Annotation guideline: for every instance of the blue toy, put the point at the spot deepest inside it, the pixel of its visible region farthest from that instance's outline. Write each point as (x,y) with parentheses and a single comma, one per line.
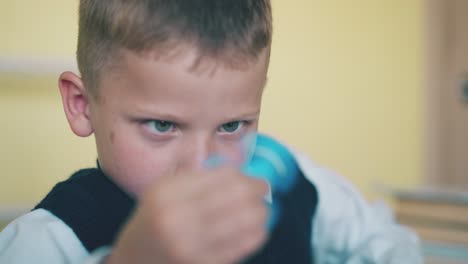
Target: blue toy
(267,159)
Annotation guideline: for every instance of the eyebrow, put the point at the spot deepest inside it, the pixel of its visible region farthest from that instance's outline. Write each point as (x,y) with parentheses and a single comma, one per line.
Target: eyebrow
(139,114)
(247,116)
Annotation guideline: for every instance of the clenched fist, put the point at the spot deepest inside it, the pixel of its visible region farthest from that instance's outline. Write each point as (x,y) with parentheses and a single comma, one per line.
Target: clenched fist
(206,217)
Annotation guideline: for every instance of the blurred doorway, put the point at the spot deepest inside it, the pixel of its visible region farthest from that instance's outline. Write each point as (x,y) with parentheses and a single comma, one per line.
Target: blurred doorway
(447,83)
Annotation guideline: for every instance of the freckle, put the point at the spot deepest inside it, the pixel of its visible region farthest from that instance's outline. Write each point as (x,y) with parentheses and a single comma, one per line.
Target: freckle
(111,137)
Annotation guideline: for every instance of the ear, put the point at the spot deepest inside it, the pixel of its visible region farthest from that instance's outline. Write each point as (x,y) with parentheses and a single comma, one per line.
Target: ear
(76,103)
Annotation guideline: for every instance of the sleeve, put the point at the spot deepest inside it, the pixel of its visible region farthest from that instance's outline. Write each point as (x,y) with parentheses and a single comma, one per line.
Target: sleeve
(40,237)
(347,229)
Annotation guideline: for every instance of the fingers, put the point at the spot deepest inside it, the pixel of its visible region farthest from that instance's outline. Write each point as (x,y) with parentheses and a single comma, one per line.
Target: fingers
(236,217)
(216,216)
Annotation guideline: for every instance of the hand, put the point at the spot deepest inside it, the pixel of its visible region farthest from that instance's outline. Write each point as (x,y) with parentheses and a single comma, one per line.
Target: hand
(208,217)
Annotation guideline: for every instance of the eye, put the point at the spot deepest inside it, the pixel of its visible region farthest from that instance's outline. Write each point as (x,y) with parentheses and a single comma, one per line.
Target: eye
(232,127)
(160,126)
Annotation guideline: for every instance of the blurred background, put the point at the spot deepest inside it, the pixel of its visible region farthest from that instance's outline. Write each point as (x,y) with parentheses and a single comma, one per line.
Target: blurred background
(375,90)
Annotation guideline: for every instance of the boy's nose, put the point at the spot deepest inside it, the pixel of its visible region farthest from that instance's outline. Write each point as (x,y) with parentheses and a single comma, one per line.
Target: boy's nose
(195,151)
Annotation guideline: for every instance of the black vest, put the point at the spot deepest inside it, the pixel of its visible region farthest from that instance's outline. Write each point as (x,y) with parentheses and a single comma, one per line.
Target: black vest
(95,209)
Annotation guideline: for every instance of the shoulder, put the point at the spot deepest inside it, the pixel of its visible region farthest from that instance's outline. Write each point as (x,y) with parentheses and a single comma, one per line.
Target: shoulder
(39,237)
(328,183)
(338,199)
(346,226)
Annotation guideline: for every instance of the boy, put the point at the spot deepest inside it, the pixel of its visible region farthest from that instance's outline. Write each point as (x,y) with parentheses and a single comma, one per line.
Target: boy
(164,85)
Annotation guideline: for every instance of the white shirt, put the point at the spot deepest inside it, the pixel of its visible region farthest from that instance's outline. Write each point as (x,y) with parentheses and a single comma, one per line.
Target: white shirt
(346,229)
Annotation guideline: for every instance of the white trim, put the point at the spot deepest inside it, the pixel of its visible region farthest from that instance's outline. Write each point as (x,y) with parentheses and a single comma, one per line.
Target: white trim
(36,65)
(9,213)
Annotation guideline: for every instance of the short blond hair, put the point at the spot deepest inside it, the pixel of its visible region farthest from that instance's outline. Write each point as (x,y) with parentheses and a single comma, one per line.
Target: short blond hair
(242,28)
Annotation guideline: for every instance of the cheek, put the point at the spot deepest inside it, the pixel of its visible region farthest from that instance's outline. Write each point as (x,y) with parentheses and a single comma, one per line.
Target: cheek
(236,152)
(134,165)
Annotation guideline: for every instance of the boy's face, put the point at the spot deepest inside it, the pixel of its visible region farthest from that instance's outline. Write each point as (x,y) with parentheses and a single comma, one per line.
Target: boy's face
(155,117)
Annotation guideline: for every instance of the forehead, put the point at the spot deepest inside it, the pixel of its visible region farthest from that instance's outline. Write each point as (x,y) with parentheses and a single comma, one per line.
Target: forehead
(188,63)
(184,79)
(193,60)
(202,61)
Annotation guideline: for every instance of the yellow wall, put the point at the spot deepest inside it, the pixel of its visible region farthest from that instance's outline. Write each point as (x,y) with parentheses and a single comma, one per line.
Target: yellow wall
(345,86)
